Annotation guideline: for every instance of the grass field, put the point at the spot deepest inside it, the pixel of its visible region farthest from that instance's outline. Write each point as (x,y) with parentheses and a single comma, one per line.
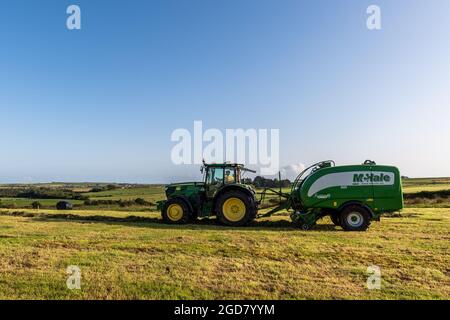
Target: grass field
(132,255)
(150,193)
(425,184)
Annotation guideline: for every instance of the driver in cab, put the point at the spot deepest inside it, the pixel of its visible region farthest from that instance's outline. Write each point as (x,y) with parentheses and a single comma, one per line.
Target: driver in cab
(229,178)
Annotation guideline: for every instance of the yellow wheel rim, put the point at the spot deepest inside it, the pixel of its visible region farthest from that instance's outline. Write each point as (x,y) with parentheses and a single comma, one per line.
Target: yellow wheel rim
(175,212)
(234,209)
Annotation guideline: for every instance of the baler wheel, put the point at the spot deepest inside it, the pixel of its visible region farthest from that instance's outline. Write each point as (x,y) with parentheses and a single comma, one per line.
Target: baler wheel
(355,218)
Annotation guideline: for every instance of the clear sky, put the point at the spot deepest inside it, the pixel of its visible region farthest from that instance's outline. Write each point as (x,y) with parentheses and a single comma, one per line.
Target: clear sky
(100,103)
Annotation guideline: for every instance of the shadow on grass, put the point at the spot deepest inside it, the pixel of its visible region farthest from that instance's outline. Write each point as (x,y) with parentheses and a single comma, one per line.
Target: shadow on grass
(149,222)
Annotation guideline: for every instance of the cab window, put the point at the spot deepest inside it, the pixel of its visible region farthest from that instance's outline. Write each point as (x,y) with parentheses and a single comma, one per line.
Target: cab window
(230,175)
(215,176)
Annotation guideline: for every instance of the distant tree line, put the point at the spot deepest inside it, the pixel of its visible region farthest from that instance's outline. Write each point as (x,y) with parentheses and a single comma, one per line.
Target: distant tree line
(41,193)
(108,187)
(428,194)
(261,182)
(51,193)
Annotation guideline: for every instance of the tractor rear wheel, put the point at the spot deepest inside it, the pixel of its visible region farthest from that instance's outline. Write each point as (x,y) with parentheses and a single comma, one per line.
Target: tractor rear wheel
(175,211)
(235,208)
(355,218)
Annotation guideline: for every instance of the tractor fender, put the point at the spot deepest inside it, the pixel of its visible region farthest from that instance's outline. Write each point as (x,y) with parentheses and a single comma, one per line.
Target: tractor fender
(354,202)
(234,188)
(186,201)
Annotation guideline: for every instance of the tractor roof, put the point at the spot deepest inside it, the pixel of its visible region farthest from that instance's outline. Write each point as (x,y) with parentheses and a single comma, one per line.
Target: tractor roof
(227,165)
(222,165)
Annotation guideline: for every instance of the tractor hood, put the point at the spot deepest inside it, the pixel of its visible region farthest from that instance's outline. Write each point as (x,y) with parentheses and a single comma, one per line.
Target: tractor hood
(185,184)
(183,187)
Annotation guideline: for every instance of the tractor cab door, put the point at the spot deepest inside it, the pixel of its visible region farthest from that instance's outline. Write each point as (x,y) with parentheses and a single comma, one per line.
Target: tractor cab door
(214,180)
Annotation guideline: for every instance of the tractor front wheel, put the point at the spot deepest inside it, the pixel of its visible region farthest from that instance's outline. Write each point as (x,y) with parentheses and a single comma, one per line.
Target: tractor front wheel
(235,208)
(175,211)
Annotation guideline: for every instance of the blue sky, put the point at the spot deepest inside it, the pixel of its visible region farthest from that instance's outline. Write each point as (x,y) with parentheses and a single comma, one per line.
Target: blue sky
(100,103)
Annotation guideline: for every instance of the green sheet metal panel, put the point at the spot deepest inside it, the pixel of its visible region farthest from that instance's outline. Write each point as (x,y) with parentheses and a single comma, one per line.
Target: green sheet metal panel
(378,187)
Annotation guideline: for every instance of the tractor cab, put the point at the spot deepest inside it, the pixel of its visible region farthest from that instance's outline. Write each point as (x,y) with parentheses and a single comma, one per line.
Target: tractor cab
(216,176)
(220,174)
(221,194)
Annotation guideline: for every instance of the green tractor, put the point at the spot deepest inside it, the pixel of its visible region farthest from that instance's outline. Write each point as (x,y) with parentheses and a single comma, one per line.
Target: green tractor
(352,195)
(221,193)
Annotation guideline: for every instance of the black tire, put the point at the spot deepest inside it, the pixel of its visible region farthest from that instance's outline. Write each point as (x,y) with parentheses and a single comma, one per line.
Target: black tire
(355,218)
(335,218)
(244,218)
(170,217)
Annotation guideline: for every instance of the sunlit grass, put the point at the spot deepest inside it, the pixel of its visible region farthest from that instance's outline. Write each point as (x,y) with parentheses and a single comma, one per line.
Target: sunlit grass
(130,254)
(139,257)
